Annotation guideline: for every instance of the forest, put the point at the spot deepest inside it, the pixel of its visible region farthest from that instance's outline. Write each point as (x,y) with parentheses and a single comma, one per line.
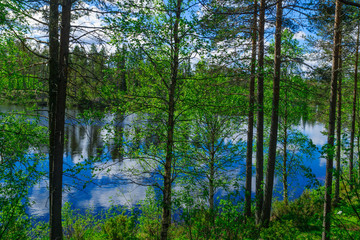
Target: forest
(179,119)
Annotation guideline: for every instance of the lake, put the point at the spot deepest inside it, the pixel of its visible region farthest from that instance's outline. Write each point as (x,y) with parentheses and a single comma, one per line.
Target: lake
(85,140)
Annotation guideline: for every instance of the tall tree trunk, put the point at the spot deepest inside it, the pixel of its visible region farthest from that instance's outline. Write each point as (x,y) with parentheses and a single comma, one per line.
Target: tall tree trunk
(166,216)
(285,184)
(331,131)
(338,133)
(212,148)
(353,117)
(55,205)
(57,103)
(265,216)
(212,151)
(285,171)
(211,180)
(358,135)
(251,117)
(358,148)
(260,116)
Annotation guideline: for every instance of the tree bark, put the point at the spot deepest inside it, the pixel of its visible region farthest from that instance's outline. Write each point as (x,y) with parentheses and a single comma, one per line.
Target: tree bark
(265,216)
(338,134)
(285,175)
(166,216)
(353,117)
(331,131)
(57,103)
(54,192)
(123,85)
(250,132)
(211,177)
(285,185)
(211,185)
(260,116)
(358,148)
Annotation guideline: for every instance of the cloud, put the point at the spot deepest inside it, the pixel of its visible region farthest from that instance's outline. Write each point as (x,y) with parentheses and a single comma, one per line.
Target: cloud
(322,162)
(314,132)
(300,35)
(40,198)
(126,195)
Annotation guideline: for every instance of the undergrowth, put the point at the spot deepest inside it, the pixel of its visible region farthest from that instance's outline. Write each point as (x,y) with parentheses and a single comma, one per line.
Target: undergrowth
(299,219)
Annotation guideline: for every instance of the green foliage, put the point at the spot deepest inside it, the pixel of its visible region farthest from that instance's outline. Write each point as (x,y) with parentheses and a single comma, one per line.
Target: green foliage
(119,227)
(302,212)
(300,150)
(280,230)
(39,230)
(78,226)
(214,155)
(136,82)
(20,156)
(14,222)
(17,83)
(232,222)
(300,219)
(346,214)
(226,221)
(150,217)
(110,225)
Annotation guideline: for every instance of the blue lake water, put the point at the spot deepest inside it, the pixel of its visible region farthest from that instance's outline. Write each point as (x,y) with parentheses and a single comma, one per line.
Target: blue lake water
(106,189)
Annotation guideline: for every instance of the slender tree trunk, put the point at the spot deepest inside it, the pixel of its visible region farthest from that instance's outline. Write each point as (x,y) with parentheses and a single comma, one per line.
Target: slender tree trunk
(338,133)
(212,148)
(123,86)
(331,131)
(251,117)
(211,185)
(166,216)
(265,216)
(358,136)
(260,116)
(285,183)
(358,148)
(353,117)
(54,192)
(75,85)
(24,77)
(358,161)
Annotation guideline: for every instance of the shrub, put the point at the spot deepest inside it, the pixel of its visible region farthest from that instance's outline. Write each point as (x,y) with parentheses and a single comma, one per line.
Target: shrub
(280,230)
(303,211)
(150,217)
(80,226)
(120,227)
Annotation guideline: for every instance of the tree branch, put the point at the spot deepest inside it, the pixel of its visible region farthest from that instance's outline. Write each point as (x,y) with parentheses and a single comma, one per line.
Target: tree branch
(350,3)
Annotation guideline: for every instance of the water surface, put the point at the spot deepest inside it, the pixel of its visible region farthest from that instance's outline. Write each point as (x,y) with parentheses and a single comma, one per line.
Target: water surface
(85,140)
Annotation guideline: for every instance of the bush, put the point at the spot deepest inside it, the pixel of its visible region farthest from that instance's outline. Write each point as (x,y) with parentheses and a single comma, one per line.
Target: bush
(303,212)
(150,217)
(120,227)
(80,226)
(19,171)
(280,230)
(225,222)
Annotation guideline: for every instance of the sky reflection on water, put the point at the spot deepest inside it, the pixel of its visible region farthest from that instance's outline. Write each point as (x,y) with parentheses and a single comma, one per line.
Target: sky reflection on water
(84,141)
